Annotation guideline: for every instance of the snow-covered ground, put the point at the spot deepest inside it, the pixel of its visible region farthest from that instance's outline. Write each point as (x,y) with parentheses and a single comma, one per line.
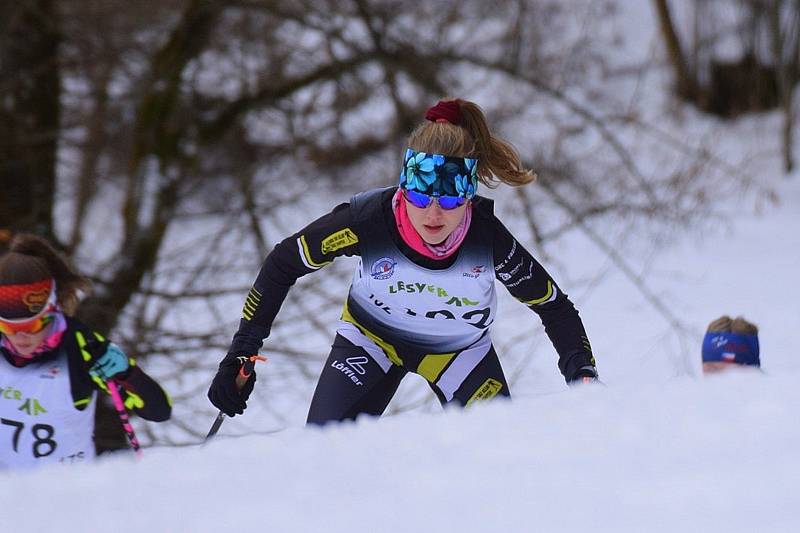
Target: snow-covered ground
(712,455)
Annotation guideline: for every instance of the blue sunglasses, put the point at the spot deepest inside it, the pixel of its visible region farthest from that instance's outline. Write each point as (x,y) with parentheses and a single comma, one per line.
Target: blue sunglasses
(423,200)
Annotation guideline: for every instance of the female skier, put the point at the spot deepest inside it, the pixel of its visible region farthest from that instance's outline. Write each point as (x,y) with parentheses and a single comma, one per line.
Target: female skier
(423,297)
(52,365)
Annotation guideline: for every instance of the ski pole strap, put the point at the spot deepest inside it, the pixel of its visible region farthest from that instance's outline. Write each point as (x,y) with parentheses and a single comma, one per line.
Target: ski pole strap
(246,370)
(119,406)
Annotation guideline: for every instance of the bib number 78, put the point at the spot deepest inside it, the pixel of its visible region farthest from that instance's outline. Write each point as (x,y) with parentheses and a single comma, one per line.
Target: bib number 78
(43,443)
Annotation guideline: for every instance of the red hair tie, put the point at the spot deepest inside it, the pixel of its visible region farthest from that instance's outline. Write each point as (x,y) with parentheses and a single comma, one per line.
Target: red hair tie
(448,111)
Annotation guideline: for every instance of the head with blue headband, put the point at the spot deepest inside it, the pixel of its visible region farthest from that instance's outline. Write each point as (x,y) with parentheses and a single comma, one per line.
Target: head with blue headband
(454,149)
(730,343)
(447,156)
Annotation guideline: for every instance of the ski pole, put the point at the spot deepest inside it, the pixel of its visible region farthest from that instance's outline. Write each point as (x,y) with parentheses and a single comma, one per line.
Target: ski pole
(245,372)
(119,405)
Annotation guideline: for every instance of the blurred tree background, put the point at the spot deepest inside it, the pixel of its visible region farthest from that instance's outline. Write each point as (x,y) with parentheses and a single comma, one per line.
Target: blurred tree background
(166,146)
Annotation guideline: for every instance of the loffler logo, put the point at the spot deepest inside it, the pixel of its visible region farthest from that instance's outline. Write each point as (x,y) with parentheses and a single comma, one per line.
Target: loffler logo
(357,363)
(354,365)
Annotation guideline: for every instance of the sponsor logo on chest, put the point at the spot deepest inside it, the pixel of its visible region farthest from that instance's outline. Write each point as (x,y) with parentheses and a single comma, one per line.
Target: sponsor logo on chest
(475,272)
(411,287)
(31,406)
(383,268)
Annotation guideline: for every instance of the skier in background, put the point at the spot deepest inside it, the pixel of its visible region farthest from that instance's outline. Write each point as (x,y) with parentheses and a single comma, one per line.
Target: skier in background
(52,365)
(422,298)
(730,344)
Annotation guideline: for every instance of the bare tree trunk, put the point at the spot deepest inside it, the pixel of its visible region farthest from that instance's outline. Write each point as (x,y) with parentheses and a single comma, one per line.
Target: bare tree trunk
(29,115)
(153,135)
(685,82)
(788,132)
(785,81)
(92,150)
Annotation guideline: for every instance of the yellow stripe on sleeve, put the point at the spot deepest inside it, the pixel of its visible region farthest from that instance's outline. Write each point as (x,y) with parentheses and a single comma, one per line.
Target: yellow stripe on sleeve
(548,295)
(305,254)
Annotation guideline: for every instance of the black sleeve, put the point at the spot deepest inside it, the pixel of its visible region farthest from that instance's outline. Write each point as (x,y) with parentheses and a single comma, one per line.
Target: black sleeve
(315,246)
(529,282)
(145,396)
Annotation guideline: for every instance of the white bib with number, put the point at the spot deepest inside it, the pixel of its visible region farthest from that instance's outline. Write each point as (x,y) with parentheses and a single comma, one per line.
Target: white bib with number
(38,422)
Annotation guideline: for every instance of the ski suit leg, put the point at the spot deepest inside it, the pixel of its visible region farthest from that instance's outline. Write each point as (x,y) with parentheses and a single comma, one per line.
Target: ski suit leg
(352,383)
(473,374)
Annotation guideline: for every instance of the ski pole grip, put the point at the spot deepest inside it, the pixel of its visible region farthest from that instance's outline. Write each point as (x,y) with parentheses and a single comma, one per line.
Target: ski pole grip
(246,370)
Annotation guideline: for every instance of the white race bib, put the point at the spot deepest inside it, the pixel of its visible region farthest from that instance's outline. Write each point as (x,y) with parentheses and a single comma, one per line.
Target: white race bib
(38,421)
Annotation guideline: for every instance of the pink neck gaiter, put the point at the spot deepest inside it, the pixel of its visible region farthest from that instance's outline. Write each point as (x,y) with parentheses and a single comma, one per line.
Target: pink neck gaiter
(55,331)
(410,236)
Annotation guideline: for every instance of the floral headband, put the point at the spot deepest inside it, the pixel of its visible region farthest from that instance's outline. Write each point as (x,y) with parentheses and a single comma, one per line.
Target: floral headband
(439,175)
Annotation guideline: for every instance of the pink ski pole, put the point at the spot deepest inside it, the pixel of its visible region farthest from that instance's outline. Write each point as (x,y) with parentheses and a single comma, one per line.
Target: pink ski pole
(119,406)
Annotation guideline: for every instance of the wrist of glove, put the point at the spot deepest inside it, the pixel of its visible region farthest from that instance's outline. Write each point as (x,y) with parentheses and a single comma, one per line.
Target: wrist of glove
(113,364)
(585,375)
(224,392)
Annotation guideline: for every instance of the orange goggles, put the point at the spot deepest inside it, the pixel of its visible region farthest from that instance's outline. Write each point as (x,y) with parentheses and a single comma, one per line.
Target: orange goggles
(39,296)
(30,326)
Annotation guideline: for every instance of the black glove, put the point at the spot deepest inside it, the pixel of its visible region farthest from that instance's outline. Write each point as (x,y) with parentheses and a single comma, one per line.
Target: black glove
(224,393)
(585,374)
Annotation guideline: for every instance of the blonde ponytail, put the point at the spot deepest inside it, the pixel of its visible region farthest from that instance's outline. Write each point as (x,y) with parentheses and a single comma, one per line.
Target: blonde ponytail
(498,160)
